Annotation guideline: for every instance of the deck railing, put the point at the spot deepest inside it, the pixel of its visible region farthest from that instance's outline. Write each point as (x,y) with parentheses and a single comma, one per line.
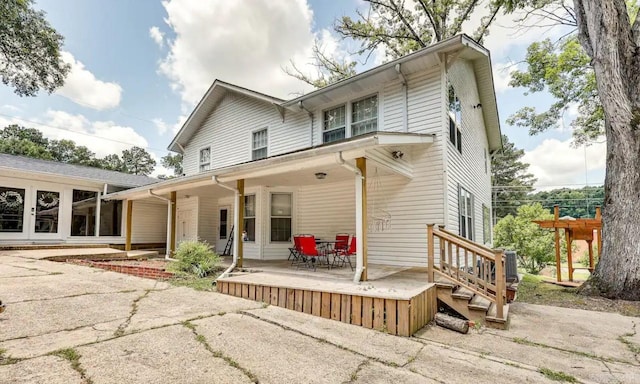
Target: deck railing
(471,265)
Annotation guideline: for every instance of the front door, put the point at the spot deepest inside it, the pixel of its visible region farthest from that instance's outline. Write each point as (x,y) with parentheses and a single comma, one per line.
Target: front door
(186,226)
(45,213)
(224,228)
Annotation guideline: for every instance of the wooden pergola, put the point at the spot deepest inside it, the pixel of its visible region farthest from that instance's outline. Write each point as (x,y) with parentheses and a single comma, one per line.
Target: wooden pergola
(574,229)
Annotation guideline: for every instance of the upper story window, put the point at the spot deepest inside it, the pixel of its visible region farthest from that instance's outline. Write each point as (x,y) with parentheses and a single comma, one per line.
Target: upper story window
(455,119)
(205,159)
(335,123)
(259,144)
(364,116)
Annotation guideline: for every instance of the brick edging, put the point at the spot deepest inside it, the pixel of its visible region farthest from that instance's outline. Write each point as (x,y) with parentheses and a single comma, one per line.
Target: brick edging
(135,270)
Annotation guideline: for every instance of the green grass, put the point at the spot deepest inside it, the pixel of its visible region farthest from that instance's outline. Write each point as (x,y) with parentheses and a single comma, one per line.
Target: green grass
(197,283)
(633,347)
(6,359)
(557,376)
(73,357)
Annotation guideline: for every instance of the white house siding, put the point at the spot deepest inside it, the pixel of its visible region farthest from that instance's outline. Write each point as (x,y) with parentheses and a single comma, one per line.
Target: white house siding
(228,131)
(208,220)
(191,226)
(327,209)
(468,169)
(251,249)
(149,222)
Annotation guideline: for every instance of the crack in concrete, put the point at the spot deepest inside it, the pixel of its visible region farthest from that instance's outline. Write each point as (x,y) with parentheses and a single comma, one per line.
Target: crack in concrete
(611,373)
(59,331)
(74,295)
(414,357)
(134,310)
(354,375)
(219,354)
(631,346)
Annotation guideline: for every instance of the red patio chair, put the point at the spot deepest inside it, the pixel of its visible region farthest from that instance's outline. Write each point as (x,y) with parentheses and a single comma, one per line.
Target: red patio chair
(345,255)
(294,252)
(309,254)
(341,246)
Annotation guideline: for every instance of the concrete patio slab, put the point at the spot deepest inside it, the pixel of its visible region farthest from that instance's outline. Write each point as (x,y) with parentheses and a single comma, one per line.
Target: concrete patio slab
(276,355)
(376,373)
(165,355)
(42,370)
(378,345)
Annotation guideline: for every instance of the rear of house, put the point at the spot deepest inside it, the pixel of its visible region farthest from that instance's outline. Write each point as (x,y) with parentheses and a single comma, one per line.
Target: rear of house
(378,155)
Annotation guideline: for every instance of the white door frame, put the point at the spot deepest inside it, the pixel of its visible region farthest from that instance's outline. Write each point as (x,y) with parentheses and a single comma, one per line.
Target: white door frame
(33,209)
(26,204)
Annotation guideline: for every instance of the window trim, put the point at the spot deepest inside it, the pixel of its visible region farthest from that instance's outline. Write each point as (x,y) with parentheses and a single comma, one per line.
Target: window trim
(200,163)
(254,217)
(271,241)
(453,121)
(252,149)
(226,223)
(468,231)
(348,110)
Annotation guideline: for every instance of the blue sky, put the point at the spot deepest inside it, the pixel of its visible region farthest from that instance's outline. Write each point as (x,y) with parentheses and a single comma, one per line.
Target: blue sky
(136,89)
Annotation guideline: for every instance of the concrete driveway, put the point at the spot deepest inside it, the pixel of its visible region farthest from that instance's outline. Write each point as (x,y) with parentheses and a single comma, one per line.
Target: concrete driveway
(73,324)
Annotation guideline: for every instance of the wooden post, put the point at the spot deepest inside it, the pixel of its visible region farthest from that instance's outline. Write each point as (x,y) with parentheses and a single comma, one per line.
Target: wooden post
(500,283)
(430,254)
(361,163)
(240,229)
(590,243)
(172,245)
(599,230)
(127,245)
(556,217)
(569,255)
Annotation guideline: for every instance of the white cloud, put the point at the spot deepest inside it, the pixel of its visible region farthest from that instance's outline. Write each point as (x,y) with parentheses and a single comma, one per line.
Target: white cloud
(556,163)
(163,127)
(102,137)
(502,75)
(82,87)
(11,108)
(157,36)
(243,42)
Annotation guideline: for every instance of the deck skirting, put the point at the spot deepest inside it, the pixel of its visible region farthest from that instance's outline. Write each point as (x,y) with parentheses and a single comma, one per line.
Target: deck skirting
(402,317)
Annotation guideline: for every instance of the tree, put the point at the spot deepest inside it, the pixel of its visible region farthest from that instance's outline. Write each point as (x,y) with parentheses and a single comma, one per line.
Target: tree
(24,147)
(534,245)
(173,162)
(510,179)
(577,203)
(29,49)
(66,151)
(137,161)
(609,38)
(400,28)
(113,163)
(15,131)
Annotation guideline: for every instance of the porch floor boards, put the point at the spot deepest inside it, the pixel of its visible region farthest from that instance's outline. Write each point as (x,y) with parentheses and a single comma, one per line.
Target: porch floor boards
(395,300)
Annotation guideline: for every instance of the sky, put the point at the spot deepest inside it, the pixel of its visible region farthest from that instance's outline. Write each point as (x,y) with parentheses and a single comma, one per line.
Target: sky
(140,67)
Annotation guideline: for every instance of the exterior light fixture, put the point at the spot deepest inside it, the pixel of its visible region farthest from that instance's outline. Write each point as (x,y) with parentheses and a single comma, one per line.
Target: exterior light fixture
(397,154)
(321,175)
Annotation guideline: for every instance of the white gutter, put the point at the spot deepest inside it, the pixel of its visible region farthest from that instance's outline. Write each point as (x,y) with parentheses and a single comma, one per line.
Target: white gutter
(359,217)
(169,219)
(236,225)
(405,88)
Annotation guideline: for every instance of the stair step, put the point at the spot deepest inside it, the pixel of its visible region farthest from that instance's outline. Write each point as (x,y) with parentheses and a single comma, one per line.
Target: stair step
(492,314)
(442,282)
(462,294)
(479,303)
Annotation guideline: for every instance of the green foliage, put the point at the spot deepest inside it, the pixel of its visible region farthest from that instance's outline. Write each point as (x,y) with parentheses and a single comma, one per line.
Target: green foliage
(29,142)
(173,162)
(535,246)
(577,203)
(510,179)
(29,49)
(398,27)
(137,161)
(196,258)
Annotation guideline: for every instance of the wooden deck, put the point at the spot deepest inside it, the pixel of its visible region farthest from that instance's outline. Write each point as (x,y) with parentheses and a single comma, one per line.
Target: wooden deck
(398,301)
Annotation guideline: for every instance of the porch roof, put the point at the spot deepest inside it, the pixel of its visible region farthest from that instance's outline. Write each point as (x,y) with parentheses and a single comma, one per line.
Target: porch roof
(324,154)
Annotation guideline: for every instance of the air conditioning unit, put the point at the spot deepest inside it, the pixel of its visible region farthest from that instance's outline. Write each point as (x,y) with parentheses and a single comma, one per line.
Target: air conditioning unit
(511,266)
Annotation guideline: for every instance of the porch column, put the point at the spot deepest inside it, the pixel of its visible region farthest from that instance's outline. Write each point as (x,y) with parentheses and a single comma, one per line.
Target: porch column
(238,217)
(172,240)
(127,245)
(361,218)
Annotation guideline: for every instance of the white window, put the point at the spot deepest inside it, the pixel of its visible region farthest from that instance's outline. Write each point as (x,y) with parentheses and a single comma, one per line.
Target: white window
(455,119)
(281,217)
(205,159)
(465,207)
(335,123)
(249,218)
(259,144)
(364,116)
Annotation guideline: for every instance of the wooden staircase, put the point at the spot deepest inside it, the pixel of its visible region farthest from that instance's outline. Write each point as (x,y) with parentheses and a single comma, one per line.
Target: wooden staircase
(467,276)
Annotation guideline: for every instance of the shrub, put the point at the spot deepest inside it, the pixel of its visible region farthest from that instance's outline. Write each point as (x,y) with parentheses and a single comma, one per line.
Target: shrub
(195,257)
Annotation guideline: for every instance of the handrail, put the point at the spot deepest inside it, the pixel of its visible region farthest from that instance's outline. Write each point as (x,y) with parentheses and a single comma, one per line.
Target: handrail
(473,266)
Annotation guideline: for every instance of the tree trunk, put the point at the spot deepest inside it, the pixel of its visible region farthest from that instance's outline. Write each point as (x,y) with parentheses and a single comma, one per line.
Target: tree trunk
(612,42)
(452,323)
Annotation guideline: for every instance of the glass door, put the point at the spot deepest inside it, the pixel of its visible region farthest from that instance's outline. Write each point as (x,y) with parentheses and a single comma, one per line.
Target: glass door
(46,214)
(12,213)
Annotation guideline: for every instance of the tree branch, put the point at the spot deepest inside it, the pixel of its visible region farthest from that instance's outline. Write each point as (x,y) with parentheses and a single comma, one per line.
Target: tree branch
(436,30)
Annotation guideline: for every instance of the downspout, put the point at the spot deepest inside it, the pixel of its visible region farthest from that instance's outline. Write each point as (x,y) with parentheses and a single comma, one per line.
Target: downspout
(405,87)
(359,257)
(302,107)
(236,224)
(169,212)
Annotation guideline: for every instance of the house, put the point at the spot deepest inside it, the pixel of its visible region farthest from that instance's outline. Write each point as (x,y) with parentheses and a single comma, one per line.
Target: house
(45,201)
(378,155)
